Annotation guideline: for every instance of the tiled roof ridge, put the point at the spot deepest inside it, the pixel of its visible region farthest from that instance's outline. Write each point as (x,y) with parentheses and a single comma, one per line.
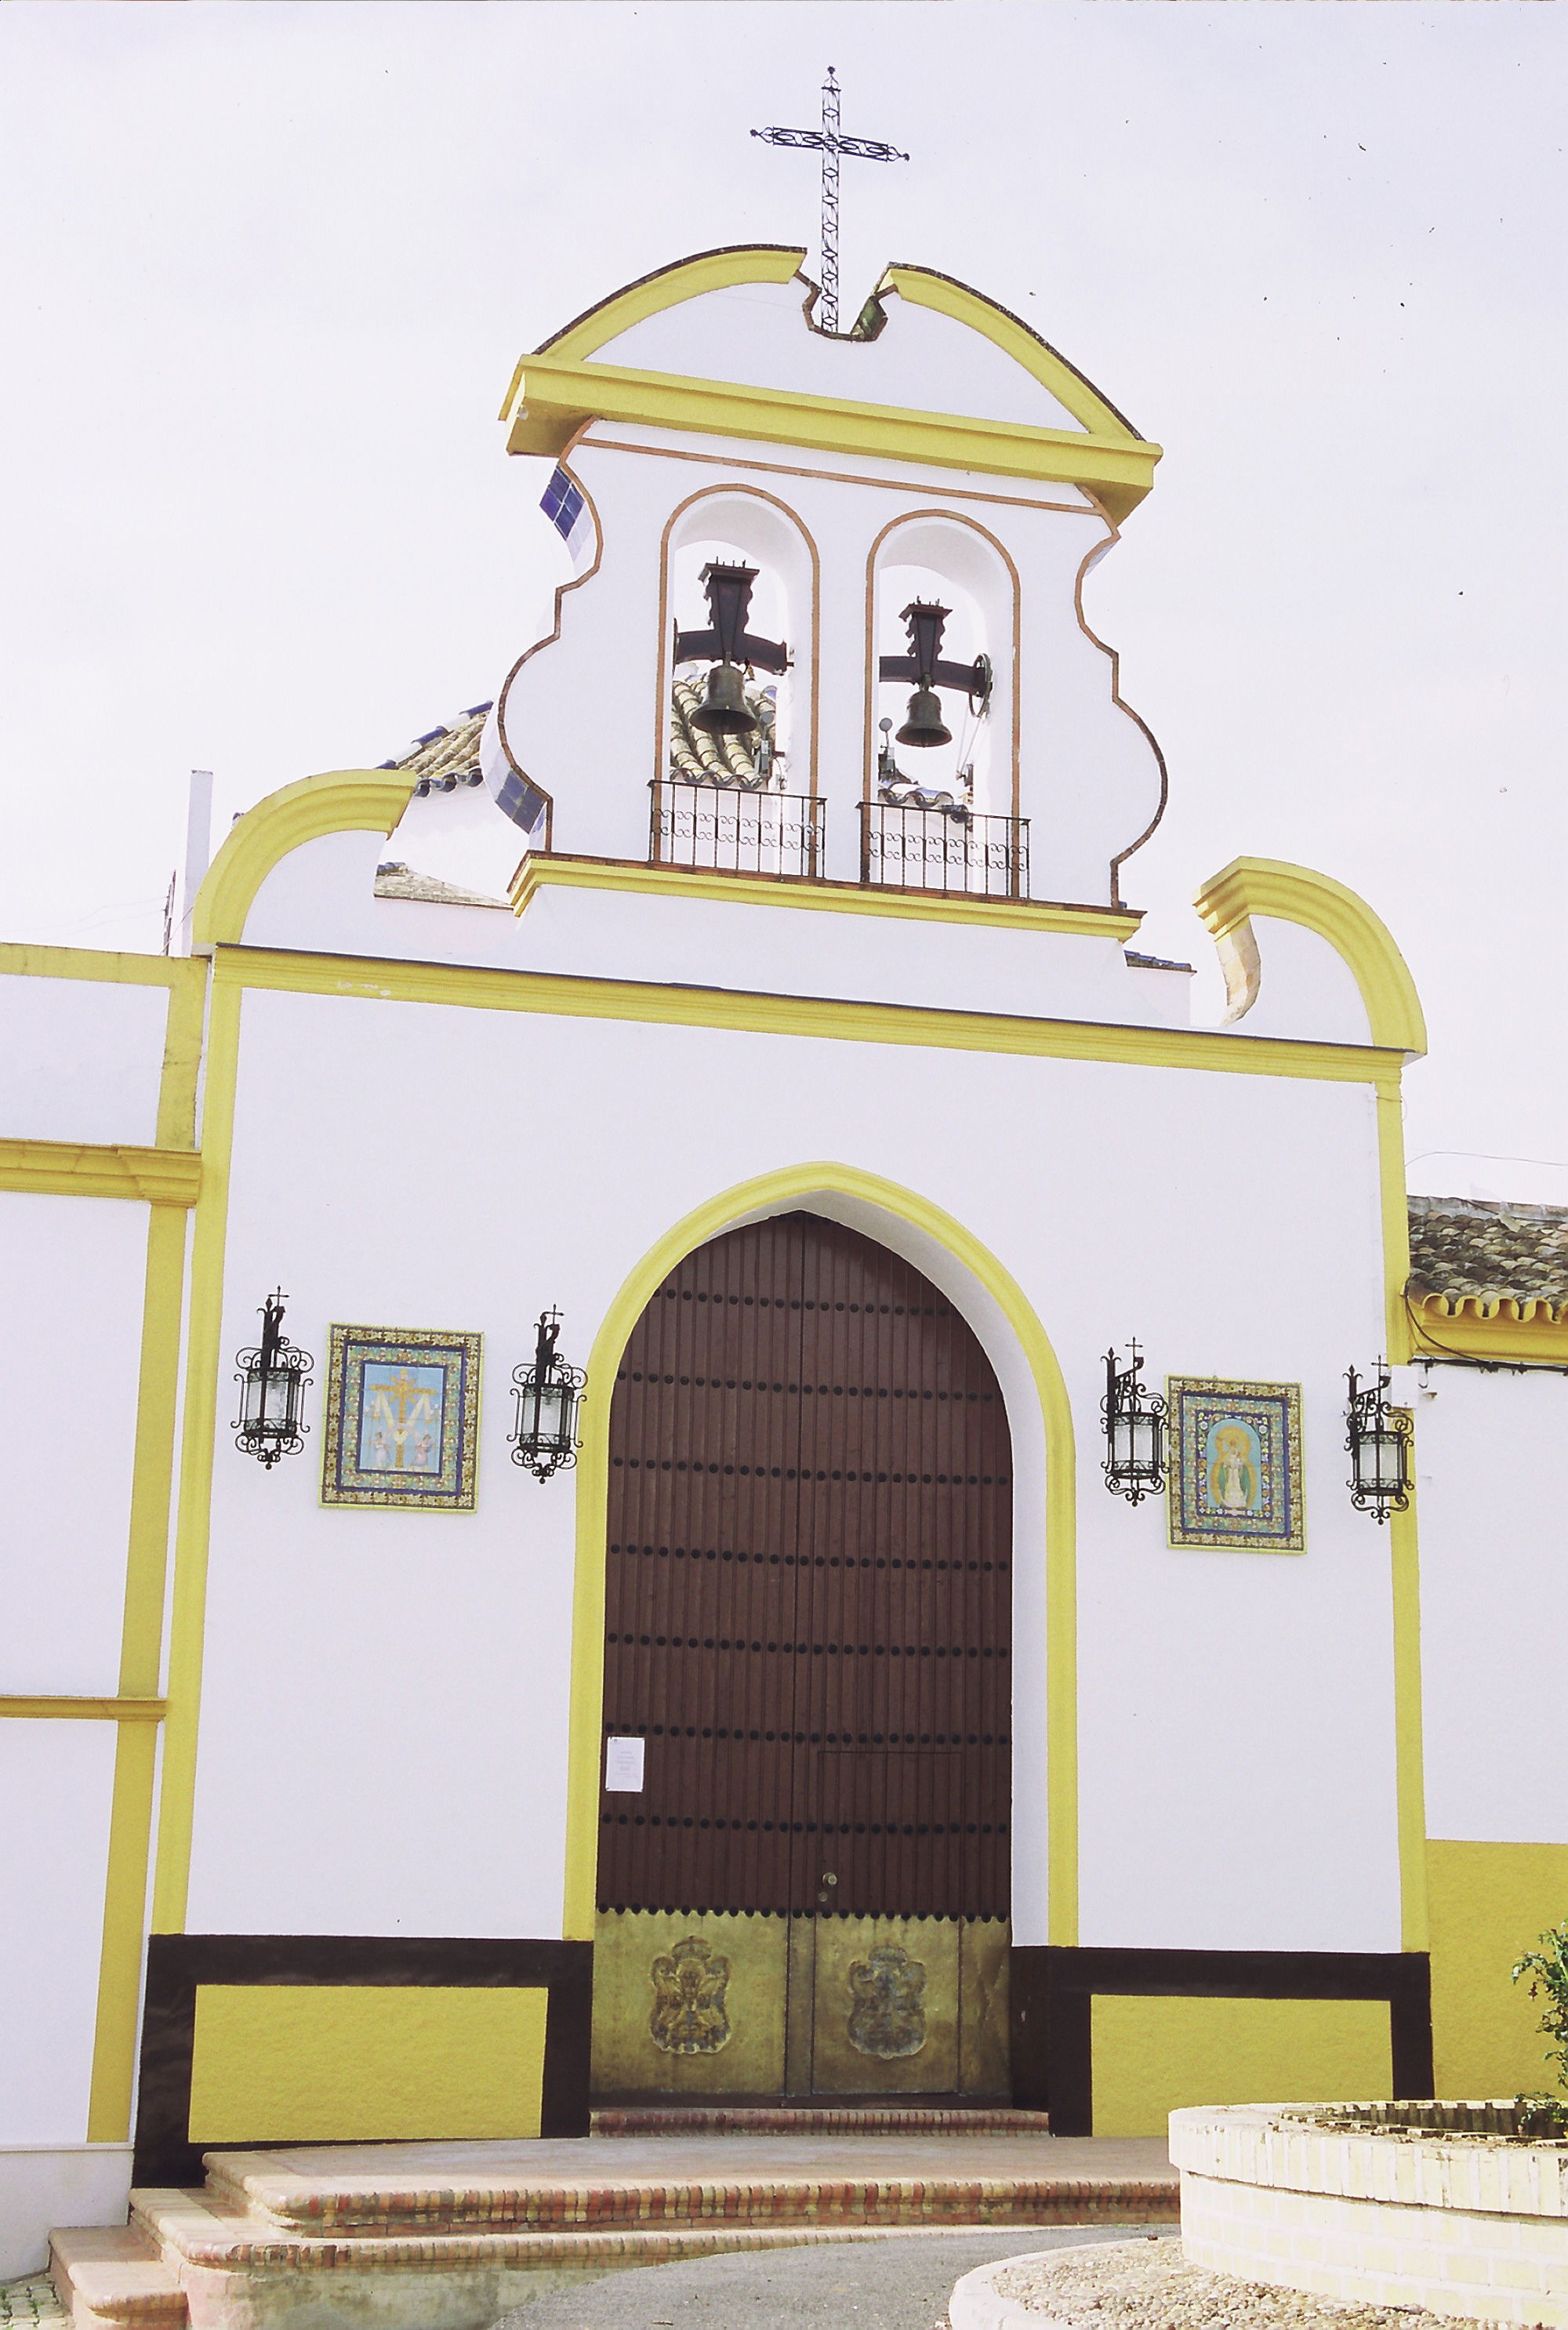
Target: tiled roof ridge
(442,759)
(1489,1257)
(1527,1210)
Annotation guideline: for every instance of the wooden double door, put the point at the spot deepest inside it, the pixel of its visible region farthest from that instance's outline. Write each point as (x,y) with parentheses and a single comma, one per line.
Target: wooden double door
(809,1629)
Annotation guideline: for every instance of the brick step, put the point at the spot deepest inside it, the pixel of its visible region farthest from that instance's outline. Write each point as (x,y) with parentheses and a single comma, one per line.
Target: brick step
(238,2273)
(304,2207)
(108,2274)
(816,2119)
(208,2240)
(452,2236)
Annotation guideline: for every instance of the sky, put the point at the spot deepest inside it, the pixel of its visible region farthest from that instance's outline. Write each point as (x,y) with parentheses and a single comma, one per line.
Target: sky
(269,264)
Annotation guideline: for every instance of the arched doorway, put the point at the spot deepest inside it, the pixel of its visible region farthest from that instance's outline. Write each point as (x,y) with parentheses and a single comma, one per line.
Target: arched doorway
(807,1634)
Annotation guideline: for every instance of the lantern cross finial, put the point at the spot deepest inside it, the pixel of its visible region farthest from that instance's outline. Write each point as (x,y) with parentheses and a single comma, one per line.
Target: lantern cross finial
(830,143)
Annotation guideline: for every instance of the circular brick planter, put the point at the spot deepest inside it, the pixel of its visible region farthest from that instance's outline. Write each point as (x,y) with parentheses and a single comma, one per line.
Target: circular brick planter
(1440,2205)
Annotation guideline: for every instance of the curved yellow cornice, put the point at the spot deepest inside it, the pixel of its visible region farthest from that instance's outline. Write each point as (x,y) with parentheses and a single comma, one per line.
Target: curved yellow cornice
(666,287)
(1295,893)
(344,800)
(555,392)
(923,287)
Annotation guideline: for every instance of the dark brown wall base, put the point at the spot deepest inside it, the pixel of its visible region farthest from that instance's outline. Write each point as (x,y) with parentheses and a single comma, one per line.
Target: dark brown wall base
(1051,1990)
(178,1963)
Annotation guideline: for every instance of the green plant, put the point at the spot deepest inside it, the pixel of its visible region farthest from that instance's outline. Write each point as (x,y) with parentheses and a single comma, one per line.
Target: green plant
(1547,1968)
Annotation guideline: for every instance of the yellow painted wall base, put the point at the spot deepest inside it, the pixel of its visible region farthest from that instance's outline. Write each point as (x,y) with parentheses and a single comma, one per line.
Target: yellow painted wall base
(1488,1904)
(1152,2056)
(332,2063)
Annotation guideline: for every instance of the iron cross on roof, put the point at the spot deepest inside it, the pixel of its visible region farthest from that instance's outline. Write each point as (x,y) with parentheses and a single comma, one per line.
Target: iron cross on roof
(831,144)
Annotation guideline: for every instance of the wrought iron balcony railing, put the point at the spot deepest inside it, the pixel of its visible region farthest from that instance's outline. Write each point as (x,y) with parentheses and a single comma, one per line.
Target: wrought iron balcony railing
(950,850)
(730,829)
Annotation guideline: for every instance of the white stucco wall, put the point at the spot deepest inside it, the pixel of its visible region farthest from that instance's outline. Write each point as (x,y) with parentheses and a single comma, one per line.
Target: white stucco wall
(71,1279)
(1305,989)
(79,1058)
(321,898)
(55,1784)
(1494,1590)
(1237,1769)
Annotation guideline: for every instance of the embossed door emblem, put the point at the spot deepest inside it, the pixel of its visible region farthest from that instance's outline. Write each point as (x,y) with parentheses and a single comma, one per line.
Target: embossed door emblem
(887,2018)
(689,2014)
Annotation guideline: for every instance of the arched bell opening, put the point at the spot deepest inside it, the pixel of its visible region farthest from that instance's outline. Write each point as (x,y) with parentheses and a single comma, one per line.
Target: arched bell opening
(736,784)
(941,808)
(808,1626)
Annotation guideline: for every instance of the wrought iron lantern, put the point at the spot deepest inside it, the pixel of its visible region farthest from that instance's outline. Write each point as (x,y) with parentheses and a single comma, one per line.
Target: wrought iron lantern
(1378,1437)
(548,1395)
(1134,1431)
(272,1378)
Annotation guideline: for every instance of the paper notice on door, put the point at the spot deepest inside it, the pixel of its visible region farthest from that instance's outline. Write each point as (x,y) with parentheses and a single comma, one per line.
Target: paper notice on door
(623,1767)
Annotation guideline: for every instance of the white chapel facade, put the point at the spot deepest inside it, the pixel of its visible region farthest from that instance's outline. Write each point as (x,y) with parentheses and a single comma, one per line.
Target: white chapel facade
(752,989)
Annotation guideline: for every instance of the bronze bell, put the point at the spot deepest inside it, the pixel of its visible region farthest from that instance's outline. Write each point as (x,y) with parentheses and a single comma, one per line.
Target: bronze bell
(726,712)
(925,724)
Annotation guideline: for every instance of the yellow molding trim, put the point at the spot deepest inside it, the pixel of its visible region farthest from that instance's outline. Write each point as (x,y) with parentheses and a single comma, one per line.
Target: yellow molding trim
(1395,1217)
(1410,1780)
(1295,893)
(566,996)
(625,875)
(50,1704)
(666,287)
(181,1068)
(20,961)
(1405,1550)
(559,398)
(923,287)
(140,1664)
(1468,1326)
(340,800)
(587,1688)
(79,1169)
(204,1362)
(120,1965)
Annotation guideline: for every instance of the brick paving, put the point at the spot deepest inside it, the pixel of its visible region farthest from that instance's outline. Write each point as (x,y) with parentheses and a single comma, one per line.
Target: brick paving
(33,2304)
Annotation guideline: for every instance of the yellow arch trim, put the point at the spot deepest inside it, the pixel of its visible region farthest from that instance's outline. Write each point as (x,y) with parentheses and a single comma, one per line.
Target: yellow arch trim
(666,287)
(342,801)
(706,1221)
(923,287)
(1295,893)
(774,263)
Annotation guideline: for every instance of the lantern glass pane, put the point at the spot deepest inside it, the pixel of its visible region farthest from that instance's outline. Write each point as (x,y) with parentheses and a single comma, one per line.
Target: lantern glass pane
(278,1395)
(1122,1443)
(250,1400)
(1388,1457)
(1145,1443)
(553,1403)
